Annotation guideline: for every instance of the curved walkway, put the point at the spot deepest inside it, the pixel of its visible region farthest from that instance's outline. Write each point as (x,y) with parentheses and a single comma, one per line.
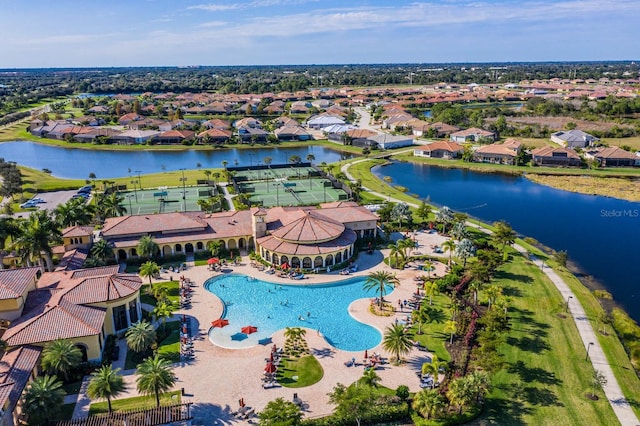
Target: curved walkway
(612,390)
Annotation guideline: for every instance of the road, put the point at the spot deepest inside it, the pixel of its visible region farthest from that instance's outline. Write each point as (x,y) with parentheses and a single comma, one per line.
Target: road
(365,120)
(612,390)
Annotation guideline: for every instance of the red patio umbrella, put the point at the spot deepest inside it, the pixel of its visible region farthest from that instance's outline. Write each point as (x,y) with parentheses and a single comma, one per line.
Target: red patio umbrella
(366,354)
(213,261)
(270,368)
(271,357)
(285,265)
(248,329)
(220,322)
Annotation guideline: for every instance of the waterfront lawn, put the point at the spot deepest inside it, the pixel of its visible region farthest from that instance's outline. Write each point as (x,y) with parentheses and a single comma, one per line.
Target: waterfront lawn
(135,403)
(545,376)
(307,369)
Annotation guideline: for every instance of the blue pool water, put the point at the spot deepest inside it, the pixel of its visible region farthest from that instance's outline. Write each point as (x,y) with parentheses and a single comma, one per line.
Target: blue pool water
(271,307)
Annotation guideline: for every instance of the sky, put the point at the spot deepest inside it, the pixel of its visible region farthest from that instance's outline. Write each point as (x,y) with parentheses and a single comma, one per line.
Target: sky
(89,33)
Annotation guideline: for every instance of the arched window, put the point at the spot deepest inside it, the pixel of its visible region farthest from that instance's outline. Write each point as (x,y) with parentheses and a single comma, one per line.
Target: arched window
(339,257)
(329,260)
(284,259)
(178,248)
(200,246)
(317,262)
(295,262)
(275,259)
(83,351)
(306,263)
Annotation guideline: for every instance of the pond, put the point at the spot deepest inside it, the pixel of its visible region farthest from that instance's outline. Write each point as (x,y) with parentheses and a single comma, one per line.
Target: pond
(73,163)
(600,234)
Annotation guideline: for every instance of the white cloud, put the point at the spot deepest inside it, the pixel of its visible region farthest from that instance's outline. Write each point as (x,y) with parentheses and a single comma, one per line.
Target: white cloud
(215,7)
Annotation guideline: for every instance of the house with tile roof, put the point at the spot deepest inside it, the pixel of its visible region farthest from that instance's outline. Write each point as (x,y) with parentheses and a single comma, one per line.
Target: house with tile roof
(555,156)
(440,149)
(498,153)
(18,368)
(83,306)
(292,133)
(472,134)
(15,285)
(614,156)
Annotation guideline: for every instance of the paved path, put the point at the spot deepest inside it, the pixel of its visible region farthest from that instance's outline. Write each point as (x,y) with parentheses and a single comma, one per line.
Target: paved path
(612,390)
(228,197)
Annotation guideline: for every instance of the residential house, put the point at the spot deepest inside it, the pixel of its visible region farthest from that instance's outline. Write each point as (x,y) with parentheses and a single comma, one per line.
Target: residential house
(252,134)
(215,136)
(292,133)
(387,141)
(18,368)
(15,284)
(174,137)
(98,109)
(555,156)
(216,123)
(131,137)
(361,137)
(498,153)
(573,138)
(440,149)
(248,122)
(472,135)
(614,157)
(128,118)
(322,121)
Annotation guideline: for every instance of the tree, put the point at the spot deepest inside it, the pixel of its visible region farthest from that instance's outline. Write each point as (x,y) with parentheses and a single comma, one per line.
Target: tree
(147,247)
(503,235)
(431,289)
(60,357)
(214,247)
(74,212)
(295,335)
(162,312)
(493,292)
(140,336)
(295,159)
(42,400)
(464,250)
(224,164)
(149,269)
(460,392)
(451,327)
(106,383)
(102,250)
(433,367)
(394,252)
(379,281)
(444,216)
(9,230)
(352,402)
(428,403)
(449,246)
(459,231)
(424,210)
(401,212)
(267,160)
(598,380)
(561,257)
(37,233)
(310,158)
(154,377)
(397,341)
(480,383)
(111,205)
(280,413)
(370,378)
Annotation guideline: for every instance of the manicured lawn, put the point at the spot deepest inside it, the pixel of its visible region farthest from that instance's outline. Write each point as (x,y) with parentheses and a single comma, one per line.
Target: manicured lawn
(173,292)
(169,348)
(135,403)
(433,335)
(307,369)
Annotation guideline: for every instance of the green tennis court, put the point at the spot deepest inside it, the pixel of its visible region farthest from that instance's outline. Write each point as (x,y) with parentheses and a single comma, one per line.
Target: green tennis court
(274,173)
(164,200)
(291,192)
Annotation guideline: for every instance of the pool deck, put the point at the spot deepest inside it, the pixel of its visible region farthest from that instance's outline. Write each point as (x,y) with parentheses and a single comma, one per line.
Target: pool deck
(218,378)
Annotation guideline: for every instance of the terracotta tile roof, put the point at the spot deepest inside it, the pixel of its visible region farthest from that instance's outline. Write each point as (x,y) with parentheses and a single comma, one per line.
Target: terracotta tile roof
(15,370)
(360,133)
(62,321)
(77,231)
(149,224)
(615,152)
(496,149)
(181,134)
(14,282)
(344,241)
(101,289)
(309,229)
(473,131)
(443,146)
(549,151)
(72,259)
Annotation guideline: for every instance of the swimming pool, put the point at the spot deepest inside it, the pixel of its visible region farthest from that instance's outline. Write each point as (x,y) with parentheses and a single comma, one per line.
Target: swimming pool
(271,307)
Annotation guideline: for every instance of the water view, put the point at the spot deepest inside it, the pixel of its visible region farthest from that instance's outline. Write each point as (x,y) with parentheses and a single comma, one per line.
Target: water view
(73,163)
(600,234)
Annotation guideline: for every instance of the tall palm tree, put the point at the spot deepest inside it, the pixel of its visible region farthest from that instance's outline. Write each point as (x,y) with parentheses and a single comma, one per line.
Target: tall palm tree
(465,249)
(504,234)
(154,377)
(428,402)
(406,245)
(310,158)
(147,247)
(140,336)
(37,233)
(397,341)
(370,378)
(9,230)
(434,366)
(459,231)
(451,327)
(60,357)
(428,266)
(74,212)
(475,286)
(460,392)
(162,312)
(449,246)
(42,400)
(444,215)
(379,281)
(102,250)
(394,252)
(149,269)
(493,292)
(431,289)
(214,247)
(111,205)
(106,383)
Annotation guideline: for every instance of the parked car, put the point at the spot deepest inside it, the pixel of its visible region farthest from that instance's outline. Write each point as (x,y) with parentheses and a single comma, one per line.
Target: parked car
(37,200)
(29,204)
(83,196)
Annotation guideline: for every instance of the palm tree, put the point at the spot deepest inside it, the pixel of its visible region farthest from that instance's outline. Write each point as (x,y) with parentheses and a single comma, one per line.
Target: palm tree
(379,281)
(207,174)
(310,158)
(431,289)
(60,356)
(147,247)
(214,247)
(504,234)
(451,327)
(445,216)
(428,402)
(37,233)
(449,246)
(295,335)
(460,392)
(428,266)
(434,366)
(149,269)
(280,412)
(224,164)
(111,205)
(42,400)
(465,249)
(424,210)
(475,286)
(493,292)
(74,212)
(155,376)
(106,383)
(162,312)
(140,336)
(397,341)
(480,382)
(9,230)
(459,231)
(420,316)
(405,245)
(394,252)
(370,378)
(102,250)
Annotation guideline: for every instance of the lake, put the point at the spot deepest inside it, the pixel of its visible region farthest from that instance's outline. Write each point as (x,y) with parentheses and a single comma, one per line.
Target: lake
(601,235)
(74,163)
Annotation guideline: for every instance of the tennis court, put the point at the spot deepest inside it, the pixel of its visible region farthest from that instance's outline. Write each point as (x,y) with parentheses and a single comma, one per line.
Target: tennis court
(291,192)
(274,173)
(164,199)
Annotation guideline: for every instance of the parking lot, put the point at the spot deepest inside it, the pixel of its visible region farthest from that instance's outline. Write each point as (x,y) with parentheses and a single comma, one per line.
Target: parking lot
(51,200)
